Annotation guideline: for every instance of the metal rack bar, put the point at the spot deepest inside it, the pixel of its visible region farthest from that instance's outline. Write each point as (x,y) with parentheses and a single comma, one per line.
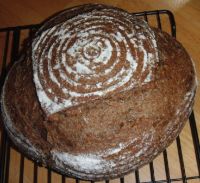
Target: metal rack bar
(77,181)
(4,60)
(4,141)
(49,176)
(63,179)
(3,157)
(122,180)
(145,16)
(15,45)
(137,176)
(166,166)
(172,23)
(152,172)
(3,135)
(21,175)
(107,181)
(180,155)
(167,12)
(19,27)
(195,139)
(35,173)
(158,20)
(7,160)
(31,33)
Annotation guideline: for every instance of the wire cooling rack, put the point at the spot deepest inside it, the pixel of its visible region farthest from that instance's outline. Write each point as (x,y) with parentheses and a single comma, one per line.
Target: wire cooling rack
(11,40)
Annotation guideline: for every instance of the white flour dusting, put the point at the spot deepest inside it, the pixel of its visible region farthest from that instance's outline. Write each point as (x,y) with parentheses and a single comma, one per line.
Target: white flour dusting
(82,162)
(90,51)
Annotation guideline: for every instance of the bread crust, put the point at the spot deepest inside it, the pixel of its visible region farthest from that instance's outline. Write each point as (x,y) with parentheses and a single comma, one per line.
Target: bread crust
(108,136)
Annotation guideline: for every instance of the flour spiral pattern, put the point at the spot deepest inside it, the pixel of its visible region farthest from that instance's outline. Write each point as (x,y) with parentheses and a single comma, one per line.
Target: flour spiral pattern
(92,55)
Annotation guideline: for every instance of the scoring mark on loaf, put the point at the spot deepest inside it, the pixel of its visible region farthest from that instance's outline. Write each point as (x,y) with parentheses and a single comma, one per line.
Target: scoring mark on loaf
(92,55)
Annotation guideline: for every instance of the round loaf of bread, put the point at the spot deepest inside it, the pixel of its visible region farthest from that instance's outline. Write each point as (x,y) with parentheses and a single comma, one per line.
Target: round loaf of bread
(99,94)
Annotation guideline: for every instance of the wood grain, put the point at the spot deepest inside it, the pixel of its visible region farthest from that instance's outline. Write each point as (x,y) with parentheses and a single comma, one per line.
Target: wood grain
(187,15)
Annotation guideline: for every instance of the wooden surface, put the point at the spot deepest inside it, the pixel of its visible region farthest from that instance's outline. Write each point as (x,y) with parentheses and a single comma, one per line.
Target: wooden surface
(187,16)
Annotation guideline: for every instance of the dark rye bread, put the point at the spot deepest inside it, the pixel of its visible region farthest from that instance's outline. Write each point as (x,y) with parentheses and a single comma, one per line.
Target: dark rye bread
(106,136)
